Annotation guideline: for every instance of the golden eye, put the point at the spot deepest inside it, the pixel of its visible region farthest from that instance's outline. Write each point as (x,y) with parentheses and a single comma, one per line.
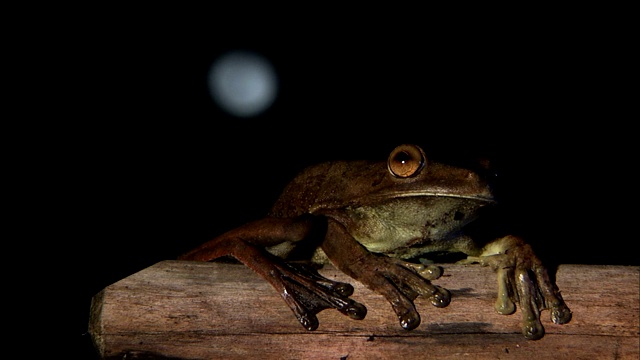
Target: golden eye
(406,160)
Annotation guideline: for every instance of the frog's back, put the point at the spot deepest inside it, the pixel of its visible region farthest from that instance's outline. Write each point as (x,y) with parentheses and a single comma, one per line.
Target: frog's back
(321,186)
(300,195)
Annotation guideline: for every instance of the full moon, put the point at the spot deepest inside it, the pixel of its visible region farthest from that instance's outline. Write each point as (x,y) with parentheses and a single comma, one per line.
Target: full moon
(243,83)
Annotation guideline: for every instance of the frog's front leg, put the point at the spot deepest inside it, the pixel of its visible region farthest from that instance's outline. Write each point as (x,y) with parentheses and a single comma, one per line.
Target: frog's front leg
(398,281)
(523,280)
(304,290)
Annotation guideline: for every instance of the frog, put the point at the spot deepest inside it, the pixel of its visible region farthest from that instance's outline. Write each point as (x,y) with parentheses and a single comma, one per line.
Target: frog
(372,220)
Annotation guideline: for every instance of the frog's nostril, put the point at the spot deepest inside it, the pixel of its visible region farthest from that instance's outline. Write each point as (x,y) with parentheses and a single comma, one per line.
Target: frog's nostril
(458,216)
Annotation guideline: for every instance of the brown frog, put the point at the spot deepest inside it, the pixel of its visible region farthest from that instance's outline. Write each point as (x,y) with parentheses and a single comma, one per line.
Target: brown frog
(369,219)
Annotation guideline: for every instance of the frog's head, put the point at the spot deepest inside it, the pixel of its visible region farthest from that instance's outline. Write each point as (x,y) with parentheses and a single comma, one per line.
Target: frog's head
(410,205)
(406,177)
(410,174)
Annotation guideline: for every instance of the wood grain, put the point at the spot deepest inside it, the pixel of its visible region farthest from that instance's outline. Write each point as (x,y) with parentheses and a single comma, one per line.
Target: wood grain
(193,310)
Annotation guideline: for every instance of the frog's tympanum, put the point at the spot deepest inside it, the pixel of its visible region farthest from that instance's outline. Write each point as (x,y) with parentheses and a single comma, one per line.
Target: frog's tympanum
(369,219)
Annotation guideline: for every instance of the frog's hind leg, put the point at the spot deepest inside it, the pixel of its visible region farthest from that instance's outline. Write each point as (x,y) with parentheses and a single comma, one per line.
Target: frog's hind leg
(304,290)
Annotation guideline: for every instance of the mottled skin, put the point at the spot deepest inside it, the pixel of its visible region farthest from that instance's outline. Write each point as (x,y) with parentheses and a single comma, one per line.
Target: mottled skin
(368,219)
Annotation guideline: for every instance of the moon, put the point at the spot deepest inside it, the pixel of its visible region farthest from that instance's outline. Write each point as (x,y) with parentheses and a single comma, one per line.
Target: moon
(243,83)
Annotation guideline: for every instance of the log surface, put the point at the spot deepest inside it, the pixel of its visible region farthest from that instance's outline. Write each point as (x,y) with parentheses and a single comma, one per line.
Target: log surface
(193,310)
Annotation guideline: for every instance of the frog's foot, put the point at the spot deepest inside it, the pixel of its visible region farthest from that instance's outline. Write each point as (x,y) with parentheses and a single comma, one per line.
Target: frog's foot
(401,282)
(307,293)
(523,280)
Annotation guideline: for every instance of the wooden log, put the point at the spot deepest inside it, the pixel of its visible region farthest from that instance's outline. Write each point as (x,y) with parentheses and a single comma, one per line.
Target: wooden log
(192,310)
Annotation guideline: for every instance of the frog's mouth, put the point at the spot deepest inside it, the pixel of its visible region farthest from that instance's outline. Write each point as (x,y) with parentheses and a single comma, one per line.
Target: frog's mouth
(421,193)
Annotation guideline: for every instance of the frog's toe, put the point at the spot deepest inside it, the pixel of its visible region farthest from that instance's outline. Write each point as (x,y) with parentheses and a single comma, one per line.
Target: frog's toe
(408,316)
(402,304)
(409,321)
(532,329)
(309,321)
(431,272)
(504,305)
(561,314)
(343,289)
(426,270)
(354,310)
(441,297)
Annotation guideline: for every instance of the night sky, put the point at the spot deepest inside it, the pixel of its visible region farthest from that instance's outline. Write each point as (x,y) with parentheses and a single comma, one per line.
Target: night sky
(150,166)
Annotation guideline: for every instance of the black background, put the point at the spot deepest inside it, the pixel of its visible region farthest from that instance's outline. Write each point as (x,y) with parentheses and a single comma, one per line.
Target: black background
(143,166)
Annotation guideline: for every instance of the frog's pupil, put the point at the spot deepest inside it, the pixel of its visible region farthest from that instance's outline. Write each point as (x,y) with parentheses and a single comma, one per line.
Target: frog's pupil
(403,157)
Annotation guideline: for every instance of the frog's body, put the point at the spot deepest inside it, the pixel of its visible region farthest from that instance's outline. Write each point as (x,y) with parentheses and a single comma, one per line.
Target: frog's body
(390,217)
(367,218)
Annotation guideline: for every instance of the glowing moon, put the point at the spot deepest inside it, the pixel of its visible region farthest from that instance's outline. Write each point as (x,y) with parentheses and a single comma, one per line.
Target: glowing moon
(243,83)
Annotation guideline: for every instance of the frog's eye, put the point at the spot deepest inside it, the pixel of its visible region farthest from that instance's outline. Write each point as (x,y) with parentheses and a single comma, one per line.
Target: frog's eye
(406,161)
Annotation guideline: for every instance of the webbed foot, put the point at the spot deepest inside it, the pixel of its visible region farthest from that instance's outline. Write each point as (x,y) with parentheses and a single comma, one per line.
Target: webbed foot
(523,280)
(402,282)
(307,293)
